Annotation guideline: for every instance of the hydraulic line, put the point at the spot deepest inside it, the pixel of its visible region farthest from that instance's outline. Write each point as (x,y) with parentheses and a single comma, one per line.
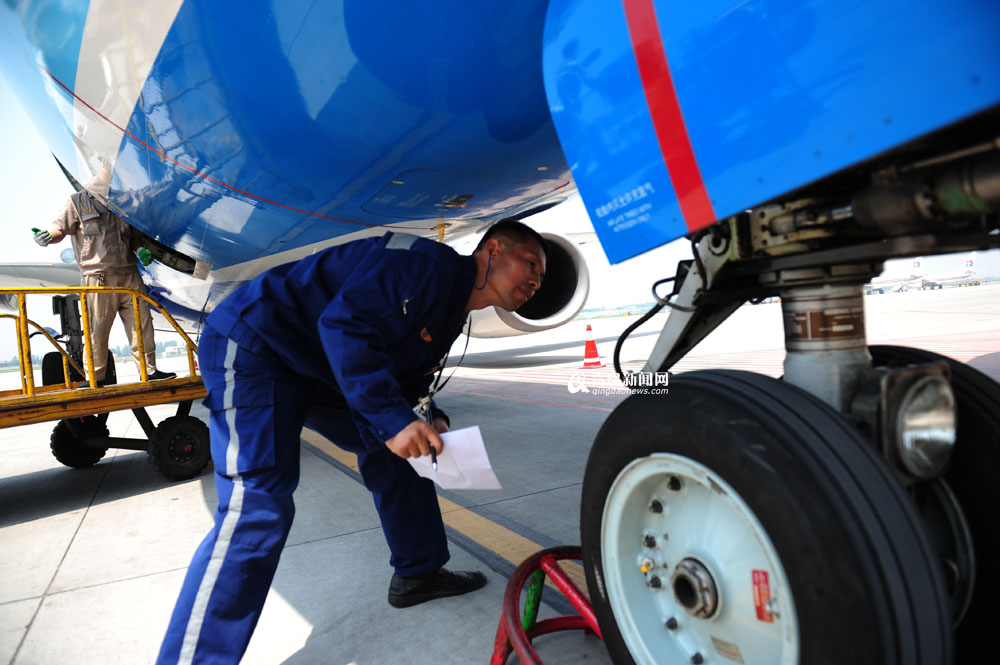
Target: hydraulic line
(660,304)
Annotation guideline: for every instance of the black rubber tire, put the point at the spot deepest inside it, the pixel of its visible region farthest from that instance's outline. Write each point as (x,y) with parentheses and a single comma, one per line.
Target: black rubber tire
(67,448)
(181,447)
(972,475)
(863,574)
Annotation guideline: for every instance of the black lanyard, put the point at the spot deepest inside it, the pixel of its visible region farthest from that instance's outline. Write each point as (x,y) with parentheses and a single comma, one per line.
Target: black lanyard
(424,405)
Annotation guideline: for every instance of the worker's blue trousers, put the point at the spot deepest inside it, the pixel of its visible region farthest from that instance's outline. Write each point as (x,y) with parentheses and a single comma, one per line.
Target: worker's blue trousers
(259,407)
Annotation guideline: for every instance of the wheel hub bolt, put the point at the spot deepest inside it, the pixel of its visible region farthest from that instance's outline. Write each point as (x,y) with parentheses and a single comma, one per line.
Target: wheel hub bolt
(672,623)
(674,483)
(649,541)
(656,507)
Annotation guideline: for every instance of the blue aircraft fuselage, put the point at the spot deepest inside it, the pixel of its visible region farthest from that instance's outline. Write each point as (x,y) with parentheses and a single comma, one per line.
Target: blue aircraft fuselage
(248,134)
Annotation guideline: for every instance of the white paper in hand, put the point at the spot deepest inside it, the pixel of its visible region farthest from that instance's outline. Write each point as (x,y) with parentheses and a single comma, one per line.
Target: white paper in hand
(463,465)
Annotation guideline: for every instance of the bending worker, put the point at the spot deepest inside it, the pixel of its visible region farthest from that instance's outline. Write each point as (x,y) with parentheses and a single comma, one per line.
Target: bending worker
(346,342)
(102,244)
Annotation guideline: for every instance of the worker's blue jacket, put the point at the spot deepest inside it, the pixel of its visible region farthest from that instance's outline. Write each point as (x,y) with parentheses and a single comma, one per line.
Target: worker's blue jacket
(371,319)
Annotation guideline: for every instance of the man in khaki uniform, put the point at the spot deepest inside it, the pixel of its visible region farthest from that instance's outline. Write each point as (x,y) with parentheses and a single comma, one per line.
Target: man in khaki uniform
(102,244)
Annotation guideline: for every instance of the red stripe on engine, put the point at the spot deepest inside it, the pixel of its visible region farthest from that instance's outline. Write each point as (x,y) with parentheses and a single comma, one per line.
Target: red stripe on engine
(665,110)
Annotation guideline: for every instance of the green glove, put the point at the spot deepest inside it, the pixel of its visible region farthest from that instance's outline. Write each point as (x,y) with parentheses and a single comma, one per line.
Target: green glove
(145,256)
(42,238)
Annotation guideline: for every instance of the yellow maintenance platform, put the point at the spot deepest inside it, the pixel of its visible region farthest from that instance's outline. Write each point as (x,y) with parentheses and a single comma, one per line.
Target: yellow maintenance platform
(178,446)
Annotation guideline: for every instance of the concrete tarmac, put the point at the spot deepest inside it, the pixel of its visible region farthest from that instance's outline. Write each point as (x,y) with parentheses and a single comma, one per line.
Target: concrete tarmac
(91,560)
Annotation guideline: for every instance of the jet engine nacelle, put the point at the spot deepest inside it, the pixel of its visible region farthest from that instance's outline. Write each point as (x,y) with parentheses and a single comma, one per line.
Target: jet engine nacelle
(562,296)
(8,303)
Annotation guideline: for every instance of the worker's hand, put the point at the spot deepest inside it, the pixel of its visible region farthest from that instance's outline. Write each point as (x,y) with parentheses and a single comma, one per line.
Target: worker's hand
(43,238)
(145,256)
(440,425)
(415,440)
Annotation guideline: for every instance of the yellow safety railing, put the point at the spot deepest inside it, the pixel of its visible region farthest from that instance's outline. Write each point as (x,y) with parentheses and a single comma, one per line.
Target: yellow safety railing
(24,346)
(67,360)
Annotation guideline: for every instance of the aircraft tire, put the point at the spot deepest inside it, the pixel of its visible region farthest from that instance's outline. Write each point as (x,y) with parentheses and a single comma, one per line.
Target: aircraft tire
(68,449)
(767,478)
(180,450)
(972,477)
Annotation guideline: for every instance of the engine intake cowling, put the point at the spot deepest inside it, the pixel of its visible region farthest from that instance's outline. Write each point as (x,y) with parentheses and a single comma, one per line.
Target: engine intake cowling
(561,297)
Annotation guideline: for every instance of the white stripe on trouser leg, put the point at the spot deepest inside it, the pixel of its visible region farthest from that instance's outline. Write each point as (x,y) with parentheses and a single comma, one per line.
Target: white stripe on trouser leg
(233,451)
(225,536)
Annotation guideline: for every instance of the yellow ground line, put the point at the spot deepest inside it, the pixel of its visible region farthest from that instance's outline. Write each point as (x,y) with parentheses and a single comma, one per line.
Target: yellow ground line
(500,540)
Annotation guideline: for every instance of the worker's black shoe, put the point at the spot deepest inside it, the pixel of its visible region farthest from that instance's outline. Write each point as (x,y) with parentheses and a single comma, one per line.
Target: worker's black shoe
(159,376)
(408,591)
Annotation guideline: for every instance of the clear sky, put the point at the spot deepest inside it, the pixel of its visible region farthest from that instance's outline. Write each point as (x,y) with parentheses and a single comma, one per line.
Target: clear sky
(33,190)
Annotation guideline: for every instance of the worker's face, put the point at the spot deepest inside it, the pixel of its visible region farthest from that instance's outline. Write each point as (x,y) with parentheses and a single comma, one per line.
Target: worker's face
(516,273)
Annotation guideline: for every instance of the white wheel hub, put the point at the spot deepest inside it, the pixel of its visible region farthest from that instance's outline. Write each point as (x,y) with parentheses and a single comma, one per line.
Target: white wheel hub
(689,571)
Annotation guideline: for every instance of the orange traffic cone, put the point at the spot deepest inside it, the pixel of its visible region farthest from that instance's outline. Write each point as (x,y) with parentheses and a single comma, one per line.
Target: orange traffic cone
(591,359)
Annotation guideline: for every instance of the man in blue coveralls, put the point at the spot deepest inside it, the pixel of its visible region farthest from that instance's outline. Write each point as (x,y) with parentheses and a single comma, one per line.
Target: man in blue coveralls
(345,342)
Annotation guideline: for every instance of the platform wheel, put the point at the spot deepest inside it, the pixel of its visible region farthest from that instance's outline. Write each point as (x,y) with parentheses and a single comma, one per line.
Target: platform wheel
(741,519)
(180,450)
(970,484)
(67,447)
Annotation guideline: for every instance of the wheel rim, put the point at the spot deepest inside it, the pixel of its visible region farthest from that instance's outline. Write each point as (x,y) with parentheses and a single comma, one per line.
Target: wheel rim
(952,536)
(183,448)
(688,569)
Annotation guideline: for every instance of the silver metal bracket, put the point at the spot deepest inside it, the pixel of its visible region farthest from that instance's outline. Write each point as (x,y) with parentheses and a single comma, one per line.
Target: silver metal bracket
(689,322)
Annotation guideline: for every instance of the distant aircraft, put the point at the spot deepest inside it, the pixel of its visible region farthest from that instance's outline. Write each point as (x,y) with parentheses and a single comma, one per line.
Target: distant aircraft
(838,515)
(959,276)
(898,282)
(36,274)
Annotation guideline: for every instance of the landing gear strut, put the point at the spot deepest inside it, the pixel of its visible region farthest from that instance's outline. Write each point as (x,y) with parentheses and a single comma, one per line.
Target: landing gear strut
(843,514)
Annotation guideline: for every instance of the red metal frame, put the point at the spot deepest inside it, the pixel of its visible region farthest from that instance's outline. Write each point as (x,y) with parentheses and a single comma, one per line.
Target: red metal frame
(511,636)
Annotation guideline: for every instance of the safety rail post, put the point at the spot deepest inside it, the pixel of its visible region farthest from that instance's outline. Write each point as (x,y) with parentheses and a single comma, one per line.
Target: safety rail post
(20,353)
(87,345)
(66,379)
(28,375)
(187,340)
(143,374)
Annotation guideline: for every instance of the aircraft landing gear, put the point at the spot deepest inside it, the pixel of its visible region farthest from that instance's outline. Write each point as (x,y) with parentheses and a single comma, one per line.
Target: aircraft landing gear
(855,496)
(741,516)
(862,487)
